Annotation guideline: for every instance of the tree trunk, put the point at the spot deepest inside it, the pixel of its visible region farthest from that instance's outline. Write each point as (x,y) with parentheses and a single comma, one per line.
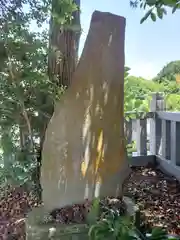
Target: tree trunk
(63,46)
(7,149)
(62,60)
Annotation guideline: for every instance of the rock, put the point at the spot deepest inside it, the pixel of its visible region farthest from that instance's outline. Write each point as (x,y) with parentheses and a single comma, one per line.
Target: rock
(84,153)
(38,226)
(37,229)
(132,208)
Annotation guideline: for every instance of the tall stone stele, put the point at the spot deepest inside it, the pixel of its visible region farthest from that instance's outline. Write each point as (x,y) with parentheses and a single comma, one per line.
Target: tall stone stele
(84,152)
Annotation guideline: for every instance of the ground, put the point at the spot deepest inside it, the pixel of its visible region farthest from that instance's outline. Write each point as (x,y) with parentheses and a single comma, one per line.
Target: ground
(157,195)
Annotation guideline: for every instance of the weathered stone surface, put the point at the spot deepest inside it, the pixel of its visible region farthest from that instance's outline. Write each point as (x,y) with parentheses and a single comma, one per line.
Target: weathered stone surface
(84,150)
(38,229)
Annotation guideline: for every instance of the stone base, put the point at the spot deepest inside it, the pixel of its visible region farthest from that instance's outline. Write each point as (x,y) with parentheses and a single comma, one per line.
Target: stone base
(38,226)
(132,208)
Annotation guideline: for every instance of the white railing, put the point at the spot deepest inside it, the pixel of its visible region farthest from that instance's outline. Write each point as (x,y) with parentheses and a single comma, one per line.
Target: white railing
(157,134)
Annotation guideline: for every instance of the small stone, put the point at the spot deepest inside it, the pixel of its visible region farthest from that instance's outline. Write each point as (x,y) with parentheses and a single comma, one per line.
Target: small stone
(52,232)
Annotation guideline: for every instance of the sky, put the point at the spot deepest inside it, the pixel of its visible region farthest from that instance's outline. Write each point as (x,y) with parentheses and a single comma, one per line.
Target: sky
(148,46)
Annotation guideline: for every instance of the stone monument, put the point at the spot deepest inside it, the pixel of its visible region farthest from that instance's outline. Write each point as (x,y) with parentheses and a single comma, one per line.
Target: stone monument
(84,154)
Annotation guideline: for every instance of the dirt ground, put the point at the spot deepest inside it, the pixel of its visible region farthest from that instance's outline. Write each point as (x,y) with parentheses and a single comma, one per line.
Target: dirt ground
(157,195)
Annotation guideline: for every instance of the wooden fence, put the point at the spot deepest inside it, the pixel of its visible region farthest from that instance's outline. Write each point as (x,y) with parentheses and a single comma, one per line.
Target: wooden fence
(157,136)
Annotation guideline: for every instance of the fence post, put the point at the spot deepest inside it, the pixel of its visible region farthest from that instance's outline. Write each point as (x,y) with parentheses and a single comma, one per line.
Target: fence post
(128,130)
(157,104)
(141,136)
(175,139)
(166,139)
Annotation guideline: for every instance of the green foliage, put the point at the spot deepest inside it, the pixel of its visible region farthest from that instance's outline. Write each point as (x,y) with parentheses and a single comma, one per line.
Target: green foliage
(155,8)
(131,148)
(158,234)
(26,94)
(173,102)
(169,72)
(137,93)
(62,11)
(94,212)
(166,80)
(23,84)
(113,226)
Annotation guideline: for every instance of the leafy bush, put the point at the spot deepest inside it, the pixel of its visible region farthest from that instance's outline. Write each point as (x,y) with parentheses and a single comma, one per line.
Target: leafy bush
(169,72)
(113,226)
